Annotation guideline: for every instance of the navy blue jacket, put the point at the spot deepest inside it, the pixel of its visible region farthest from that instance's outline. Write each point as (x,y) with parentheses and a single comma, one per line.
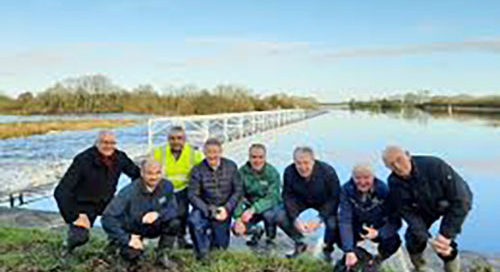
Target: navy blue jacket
(433,190)
(88,185)
(320,192)
(123,216)
(221,187)
(374,211)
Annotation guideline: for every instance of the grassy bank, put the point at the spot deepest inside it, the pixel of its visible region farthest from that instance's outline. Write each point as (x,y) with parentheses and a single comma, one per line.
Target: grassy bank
(23,129)
(24,249)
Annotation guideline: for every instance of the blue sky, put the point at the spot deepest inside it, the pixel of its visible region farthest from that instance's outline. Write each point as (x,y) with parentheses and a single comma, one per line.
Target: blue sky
(332,50)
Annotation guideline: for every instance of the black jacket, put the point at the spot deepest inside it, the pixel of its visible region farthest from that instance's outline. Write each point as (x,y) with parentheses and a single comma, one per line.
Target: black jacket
(221,187)
(374,211)
(433,190)
(320,192)
(88,185)
(123,216)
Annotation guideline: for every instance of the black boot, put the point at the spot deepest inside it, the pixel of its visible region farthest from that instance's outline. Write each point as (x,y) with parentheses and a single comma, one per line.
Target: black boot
(327,252)
(256,235)
(300,248)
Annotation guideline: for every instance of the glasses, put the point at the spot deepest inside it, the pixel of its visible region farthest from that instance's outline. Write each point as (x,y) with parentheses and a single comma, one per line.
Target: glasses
(176,137)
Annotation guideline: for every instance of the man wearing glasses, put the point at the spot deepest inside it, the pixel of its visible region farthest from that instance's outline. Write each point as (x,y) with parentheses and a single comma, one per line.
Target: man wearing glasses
(177,158)
(89,185)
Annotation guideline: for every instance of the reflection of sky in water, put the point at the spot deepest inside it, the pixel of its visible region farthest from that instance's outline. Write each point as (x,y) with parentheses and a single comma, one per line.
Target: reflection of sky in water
(343,138)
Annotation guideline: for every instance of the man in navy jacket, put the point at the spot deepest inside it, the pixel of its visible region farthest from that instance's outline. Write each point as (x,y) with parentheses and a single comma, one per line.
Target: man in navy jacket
(309,183)
(425,189)
(146,208)
(364,213)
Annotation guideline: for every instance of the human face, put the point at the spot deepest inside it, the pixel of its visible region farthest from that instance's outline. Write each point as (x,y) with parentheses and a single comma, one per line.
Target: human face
(399,162)
(257,158)
(151,175)
(363,179)
(304,163)
(106,145)
(213,154)
(176,140)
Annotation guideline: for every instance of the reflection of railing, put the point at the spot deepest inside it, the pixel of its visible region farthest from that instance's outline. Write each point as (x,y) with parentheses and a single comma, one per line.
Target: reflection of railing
(226,127)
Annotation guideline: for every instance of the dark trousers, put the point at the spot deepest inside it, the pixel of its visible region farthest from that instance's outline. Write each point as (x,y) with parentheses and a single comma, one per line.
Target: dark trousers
(270,222)
(182,211)
(286,223)
(78,236)
(165,230)
(416,240)
(208,233)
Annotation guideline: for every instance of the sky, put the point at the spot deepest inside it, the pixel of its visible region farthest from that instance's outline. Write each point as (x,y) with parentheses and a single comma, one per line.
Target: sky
(331,50)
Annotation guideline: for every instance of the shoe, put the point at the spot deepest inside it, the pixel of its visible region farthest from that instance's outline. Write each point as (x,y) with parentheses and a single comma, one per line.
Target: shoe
(327,253)
(165,262)
(255,237)
(299,249)
(183,244)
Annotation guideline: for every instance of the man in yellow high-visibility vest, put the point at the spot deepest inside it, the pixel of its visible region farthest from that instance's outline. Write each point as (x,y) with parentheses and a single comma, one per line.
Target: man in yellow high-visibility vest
(177,158)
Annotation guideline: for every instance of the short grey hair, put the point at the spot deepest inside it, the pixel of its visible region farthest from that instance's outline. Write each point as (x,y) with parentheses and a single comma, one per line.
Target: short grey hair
(303,150)
(391,149)
(212,141)
(103,132)
(176,129)
(258,146)
(150,161)
(362,167)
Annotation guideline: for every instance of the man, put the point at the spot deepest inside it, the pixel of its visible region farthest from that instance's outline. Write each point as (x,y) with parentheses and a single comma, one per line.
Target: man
(145,208)
(364,214)
(425,189)
(261,197)
(89,185)
(178,158)
(214,191)
(310,183)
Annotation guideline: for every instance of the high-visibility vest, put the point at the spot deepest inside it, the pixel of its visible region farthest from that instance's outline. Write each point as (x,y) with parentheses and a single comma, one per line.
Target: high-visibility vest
(177,171)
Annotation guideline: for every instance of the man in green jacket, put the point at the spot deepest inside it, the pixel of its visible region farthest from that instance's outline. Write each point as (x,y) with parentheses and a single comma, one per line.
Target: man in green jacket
(261,197)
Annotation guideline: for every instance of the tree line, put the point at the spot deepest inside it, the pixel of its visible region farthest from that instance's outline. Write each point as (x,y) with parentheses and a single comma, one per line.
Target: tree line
(98,94)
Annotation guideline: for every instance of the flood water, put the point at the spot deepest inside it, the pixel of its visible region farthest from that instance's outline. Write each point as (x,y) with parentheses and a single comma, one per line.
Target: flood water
(342,138)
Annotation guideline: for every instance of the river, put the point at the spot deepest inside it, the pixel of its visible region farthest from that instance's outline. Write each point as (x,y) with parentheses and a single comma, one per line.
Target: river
(342,138)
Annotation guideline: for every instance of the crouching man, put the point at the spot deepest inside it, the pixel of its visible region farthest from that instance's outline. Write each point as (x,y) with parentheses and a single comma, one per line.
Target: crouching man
(425,189)
(145,208)
(364,213)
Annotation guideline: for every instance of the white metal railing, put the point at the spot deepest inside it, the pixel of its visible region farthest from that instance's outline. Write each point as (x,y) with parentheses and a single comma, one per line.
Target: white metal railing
(226,127)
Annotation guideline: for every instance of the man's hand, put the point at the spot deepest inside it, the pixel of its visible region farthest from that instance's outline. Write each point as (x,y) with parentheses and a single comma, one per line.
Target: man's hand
(239,227)
(351,260)
(300,226)
(442,245)
(135,242)
(150,217)
(221,214)
(82,221)
(371,234)
(247,215)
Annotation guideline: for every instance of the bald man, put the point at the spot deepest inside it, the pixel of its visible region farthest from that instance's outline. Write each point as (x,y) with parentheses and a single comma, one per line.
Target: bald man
(425,189)
(89,185)
(146,208)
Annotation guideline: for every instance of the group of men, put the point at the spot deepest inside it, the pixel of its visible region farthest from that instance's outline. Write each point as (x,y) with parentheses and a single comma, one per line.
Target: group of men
(179,188)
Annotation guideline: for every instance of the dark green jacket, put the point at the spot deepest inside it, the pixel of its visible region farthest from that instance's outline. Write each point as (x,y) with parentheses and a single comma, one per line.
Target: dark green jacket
(261,191)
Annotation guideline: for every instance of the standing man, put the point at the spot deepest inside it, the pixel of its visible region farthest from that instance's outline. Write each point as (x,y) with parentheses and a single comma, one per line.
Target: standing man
(145,208)
(261,197)
(425,189)
(178,158)
(214,191)
(310,183)
(89,185)
(364,213)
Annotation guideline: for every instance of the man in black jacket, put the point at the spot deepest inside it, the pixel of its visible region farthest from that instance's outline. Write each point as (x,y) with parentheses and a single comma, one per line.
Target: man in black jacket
(146,208)
(214,191)
(89,185)
(425,189)
(310,183)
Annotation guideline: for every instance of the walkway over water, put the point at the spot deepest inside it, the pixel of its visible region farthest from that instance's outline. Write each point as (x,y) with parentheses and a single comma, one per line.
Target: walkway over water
(230,128)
